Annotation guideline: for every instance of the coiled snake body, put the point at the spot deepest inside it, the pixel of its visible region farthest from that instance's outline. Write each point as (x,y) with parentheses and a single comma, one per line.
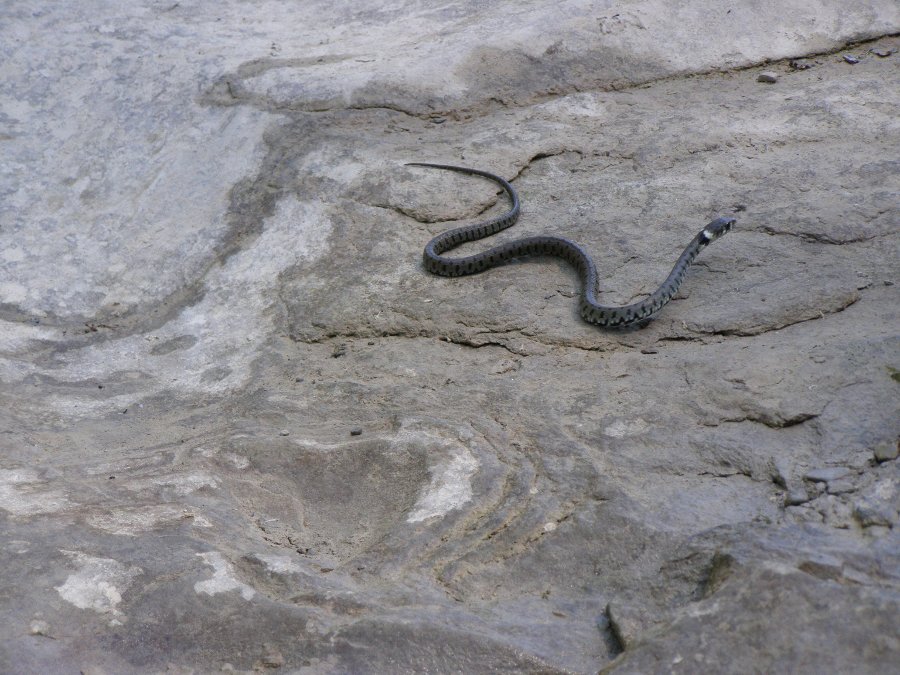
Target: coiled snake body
(591,310)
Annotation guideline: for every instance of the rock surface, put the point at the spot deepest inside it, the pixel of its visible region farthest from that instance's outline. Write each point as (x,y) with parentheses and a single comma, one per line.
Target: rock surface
(244,430)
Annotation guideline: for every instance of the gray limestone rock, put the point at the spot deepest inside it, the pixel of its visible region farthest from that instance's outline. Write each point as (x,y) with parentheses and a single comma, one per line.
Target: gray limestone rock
(827,474)
(244,429)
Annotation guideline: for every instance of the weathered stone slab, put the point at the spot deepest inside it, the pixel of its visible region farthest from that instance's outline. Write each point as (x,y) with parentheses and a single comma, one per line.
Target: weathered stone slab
(243,429)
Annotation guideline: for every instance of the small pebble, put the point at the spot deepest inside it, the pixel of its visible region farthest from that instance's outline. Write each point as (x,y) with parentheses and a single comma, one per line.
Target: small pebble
(39,627)
(800,64)
(883,51)
(649,350)
(795,497)
(827,474)
(355,431)
(284,432)
(849,58)
(886,451)
(767,76)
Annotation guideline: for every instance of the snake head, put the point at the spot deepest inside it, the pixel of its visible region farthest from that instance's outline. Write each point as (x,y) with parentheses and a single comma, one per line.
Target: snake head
(717,228)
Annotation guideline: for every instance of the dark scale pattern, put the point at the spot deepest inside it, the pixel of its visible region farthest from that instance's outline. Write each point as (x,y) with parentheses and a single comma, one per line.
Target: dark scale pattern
(591,310)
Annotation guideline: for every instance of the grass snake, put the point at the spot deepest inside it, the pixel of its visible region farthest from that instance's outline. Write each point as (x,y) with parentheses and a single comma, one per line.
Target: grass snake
(591,310)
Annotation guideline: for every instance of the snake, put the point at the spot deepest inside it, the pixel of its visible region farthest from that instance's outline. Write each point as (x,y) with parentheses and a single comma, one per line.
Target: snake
(637,313)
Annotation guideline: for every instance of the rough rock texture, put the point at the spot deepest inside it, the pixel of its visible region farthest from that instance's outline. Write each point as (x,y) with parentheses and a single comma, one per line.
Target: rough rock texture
(243,429)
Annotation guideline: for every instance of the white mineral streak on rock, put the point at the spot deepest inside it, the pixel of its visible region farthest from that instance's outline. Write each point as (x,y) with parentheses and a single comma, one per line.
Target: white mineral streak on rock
(223,579)
(200,521)
(180,484)
(222,327)
(279,564)
(621,428)
(12,292)
(16,336)
(700,609)
(780,568)
(136,520)
(98,584)
(450,487)
(23,493)
(237,461)
(582,104)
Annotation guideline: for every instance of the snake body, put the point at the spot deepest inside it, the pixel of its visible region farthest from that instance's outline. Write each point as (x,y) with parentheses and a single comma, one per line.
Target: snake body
(591,310)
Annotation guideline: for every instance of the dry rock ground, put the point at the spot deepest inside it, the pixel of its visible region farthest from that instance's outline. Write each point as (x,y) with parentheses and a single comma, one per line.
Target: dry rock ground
(244,430)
